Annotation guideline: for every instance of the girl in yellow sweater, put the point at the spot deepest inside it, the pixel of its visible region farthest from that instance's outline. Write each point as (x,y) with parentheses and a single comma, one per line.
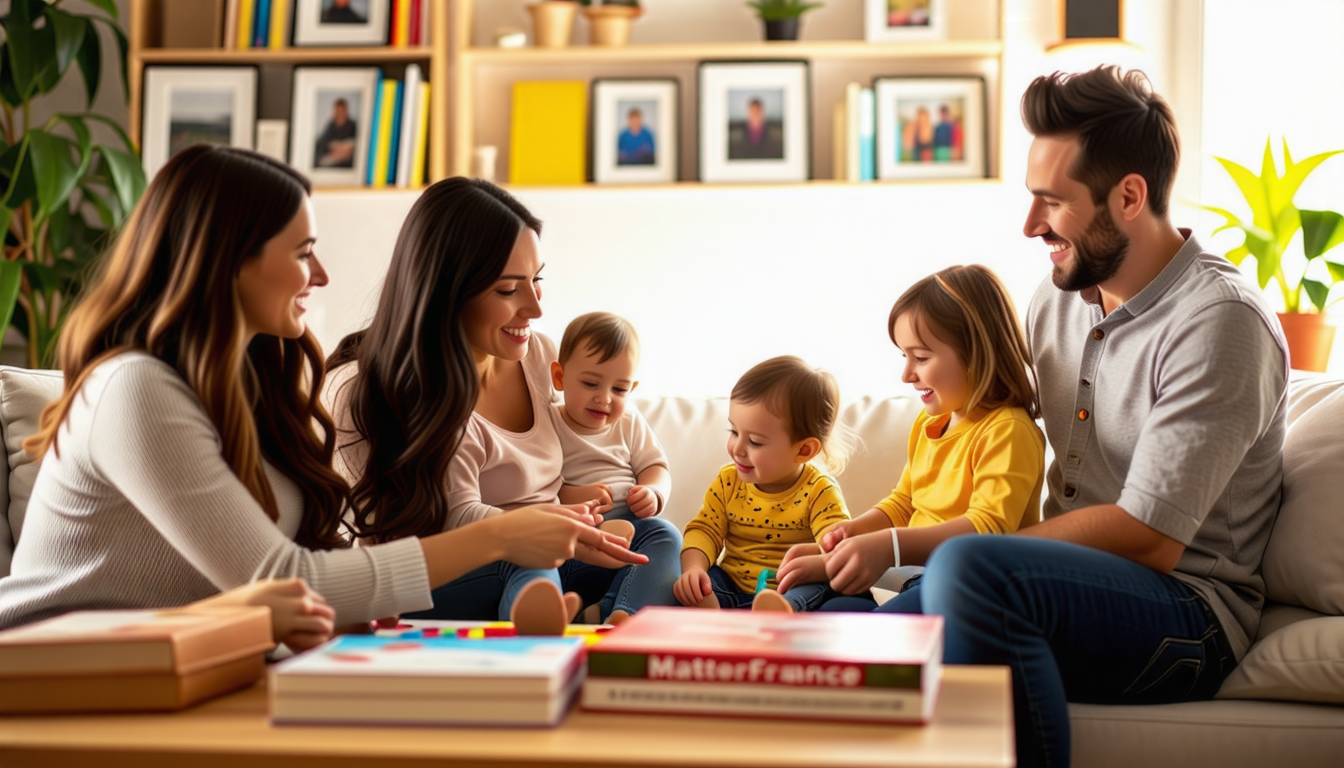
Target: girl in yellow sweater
(976,457)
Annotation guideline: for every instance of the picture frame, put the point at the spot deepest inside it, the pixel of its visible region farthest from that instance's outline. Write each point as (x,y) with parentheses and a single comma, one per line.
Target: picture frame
(754,121)
(331,115)
(190,105)
(930,127)
(635,130)
(887,21)
(341,22)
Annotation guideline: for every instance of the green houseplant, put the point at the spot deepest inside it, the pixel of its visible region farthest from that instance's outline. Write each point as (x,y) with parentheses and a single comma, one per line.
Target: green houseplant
(781,17)
(1273,228)
(61,192)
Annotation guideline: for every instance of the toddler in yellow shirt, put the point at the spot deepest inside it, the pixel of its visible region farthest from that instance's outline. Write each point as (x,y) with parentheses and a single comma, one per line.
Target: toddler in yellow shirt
(782,415)
(976,457)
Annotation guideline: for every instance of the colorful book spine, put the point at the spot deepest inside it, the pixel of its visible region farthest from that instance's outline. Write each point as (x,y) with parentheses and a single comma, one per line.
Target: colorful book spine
(279,24)
(394,136)
(867,137)
(417,20)
(405,144)
(373,133)
(383,149)
(421,138)
(230,25)
(401,23)
(243,39)
(261,24)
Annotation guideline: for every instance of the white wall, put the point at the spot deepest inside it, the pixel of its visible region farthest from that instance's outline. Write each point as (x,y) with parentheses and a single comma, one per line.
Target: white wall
(718,279)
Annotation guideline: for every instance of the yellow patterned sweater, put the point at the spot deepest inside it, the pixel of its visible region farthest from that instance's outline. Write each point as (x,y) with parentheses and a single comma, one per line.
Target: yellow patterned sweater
(753,529)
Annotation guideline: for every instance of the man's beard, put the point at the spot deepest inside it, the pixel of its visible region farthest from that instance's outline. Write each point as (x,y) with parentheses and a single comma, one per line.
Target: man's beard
(1097,254)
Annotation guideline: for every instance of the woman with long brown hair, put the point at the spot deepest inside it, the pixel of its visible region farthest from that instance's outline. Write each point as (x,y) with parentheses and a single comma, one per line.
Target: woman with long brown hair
(189,453)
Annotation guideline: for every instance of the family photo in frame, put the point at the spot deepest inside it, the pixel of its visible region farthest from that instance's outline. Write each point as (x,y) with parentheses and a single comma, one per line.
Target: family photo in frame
(897,20)
(341,22)
(330,118)
(635,136)
(191,105)
(930,127)
(754,121)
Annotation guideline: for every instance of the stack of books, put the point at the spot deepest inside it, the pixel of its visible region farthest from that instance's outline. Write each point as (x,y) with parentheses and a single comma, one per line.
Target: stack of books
(855,148)
(109,661)
(858,667)
(430,680)
(400,135)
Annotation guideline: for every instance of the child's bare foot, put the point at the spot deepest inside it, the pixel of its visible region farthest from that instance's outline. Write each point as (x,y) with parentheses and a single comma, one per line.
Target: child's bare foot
(591,615)
(540,609)
(623,528)
(573,605)
(770,600)
(617,617)
(710,601)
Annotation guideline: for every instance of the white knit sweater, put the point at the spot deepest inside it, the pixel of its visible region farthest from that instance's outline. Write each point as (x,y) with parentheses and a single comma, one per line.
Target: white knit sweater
(140,510)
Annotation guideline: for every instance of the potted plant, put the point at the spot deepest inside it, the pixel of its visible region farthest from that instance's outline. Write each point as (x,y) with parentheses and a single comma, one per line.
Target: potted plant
(781,17)
(1274,226)
(61,192)
(553,22)
(611,20)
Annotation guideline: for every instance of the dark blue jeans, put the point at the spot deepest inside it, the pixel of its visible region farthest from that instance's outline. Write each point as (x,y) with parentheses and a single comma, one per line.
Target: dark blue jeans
(1074,624)
(905,601)
(804,597)
(633,586)
(485,594)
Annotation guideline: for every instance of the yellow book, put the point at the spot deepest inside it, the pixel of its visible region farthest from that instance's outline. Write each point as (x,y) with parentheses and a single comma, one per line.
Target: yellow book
(279,23)
(549,132)
(421,137)
(385,122)
(402,35)
(246,8)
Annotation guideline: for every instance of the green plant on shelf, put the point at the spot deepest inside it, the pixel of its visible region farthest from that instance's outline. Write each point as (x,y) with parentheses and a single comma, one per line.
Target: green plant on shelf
(778,10)
(1274,225)
(61,192)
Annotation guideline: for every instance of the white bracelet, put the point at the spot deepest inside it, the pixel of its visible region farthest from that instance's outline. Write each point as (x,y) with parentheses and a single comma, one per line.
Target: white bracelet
(895,549)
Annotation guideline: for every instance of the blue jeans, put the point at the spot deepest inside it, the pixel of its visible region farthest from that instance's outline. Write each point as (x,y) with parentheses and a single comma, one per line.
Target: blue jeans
(633,586)
(1074,624)
(485,594)
(804,597)
(905,601)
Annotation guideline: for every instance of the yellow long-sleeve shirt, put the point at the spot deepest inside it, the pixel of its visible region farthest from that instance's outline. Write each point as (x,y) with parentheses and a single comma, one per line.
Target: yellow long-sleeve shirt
(988,468)
(753,529)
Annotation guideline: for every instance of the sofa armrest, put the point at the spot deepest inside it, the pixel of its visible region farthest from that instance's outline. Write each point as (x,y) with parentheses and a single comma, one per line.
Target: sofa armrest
(23,395)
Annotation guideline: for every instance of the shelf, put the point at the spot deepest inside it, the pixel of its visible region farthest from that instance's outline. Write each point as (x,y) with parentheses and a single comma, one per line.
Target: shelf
(326,55)
(700,186)
(822,49)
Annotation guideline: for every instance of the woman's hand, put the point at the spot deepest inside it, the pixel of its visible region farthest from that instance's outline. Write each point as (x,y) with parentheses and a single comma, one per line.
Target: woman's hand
(643,501)
(857,562)
(692,587)
(597,495)
(802,564)
(300,618)
(546,535)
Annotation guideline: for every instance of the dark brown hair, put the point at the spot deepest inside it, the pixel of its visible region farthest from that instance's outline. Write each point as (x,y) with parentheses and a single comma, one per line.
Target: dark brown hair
(168,287)
(806,399)
(417,382)
(968,309)
(1121,125)
(604,333)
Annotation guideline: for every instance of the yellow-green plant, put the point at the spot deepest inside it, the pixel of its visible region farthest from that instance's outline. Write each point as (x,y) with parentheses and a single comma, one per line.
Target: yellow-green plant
(1275,222)
(778,10)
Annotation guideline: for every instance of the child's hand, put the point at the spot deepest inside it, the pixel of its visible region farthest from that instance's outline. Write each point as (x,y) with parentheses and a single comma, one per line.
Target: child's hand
(300,618)
(643,501)
(857,562)
(599,494)
(802,564)
(692,587)
(838,533)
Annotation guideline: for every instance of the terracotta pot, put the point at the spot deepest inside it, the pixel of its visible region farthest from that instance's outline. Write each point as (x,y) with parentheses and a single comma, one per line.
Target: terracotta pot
(552,22)
(1310,337)
(611,23)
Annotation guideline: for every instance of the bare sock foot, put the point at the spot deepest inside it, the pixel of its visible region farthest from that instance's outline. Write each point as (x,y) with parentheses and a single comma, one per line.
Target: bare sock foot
(710,601)
(540,609)
(622,528)
(770,600)
(617,617)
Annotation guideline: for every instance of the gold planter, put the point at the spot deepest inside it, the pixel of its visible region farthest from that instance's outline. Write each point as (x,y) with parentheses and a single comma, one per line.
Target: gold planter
(552,22)
(611,23)
(1310,337)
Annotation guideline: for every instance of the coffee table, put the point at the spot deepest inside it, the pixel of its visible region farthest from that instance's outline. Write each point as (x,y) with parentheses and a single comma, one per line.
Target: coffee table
(972,726)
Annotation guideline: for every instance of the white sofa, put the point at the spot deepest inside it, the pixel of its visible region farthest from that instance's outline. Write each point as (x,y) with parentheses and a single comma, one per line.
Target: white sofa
(1283,706)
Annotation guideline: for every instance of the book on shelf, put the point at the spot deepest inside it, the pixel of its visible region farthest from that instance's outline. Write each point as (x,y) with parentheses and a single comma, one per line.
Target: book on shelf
(410,124)
(246,14)
(867,128)
(429,680)
(132,660)
(401,23)
(231,10)
(279,33)
(421,143)
(261,24)
(374,121)
(548,138)
(390,105)
(855,667)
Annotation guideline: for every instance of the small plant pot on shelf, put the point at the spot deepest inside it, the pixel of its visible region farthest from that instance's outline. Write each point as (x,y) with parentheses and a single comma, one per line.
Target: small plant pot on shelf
(552,22)
(782,29)
(611,23)
(1310,336)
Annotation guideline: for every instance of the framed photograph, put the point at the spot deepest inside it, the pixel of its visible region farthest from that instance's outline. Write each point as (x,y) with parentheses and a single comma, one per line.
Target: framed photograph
(930,127)
(193,105)
(754,121)
(635,131)
(893,20)
(329,123)
(341,22)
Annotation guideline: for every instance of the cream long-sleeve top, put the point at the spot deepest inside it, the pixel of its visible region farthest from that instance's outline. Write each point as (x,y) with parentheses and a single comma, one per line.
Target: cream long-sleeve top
(139,509)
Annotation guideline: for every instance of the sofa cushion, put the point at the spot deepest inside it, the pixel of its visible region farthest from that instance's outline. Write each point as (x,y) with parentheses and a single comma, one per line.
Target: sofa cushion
(23,395)
(1300,657)
(1302,565)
